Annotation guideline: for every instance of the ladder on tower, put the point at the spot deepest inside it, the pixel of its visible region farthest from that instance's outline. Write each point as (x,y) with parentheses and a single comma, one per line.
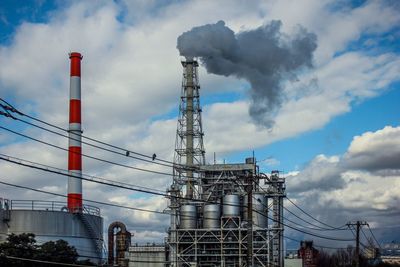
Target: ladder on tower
(92,229)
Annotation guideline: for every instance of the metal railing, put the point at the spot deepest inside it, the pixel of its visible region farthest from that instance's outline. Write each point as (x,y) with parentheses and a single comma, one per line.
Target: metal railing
(49,206)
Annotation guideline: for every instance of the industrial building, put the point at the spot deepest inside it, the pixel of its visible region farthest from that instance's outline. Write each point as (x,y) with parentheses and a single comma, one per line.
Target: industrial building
(147,256)
(390,253)
(80,225)
(308,254)
(221,214)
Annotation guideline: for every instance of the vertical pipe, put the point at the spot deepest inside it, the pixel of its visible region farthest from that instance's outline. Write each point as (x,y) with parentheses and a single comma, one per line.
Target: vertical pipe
(75,132)
(250,220)
(358,244)
(189,126)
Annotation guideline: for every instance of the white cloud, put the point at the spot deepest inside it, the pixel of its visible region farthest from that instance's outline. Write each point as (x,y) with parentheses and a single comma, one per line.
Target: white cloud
(131,73)
(342,190)
(378,150)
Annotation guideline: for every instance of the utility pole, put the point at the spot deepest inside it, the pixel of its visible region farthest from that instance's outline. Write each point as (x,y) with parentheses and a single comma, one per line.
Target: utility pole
(358,225)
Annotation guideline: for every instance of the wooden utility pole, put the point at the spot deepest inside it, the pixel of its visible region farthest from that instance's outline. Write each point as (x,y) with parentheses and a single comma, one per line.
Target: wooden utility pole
(358,225)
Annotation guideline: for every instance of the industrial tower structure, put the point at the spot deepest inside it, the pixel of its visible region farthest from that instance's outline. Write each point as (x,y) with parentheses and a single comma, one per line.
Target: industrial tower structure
(219,212)
(189,148)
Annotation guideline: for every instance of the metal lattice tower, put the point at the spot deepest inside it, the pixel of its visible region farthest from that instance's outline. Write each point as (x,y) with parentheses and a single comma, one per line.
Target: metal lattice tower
(189,148)
(277,188)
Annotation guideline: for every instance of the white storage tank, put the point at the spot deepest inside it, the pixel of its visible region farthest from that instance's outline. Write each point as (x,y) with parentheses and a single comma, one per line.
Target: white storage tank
(50,221)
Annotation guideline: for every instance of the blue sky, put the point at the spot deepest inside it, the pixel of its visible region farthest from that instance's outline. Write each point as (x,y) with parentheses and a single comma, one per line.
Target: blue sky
(131,86)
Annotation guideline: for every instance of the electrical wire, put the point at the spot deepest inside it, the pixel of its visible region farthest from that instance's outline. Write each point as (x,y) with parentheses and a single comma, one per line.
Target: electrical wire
(305,232)
(317,246)
(310,228)
(145,191)
(352,231)
(85,155)
(78,265)
(47,262)
(319,227)
(87,200)
(46,168)
(9,107)
(294,228)
(312,217)
(84,176)
(366,238)
(289,226)
(373,236)
(268,209)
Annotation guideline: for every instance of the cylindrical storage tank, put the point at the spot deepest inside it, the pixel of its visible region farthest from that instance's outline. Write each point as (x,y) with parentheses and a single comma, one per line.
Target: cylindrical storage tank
(231,205)
(260,210)
(212,216)
(50,225)
(188,216)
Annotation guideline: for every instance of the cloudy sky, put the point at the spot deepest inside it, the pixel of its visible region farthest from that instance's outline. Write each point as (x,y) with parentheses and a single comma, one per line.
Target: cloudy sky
(333,130)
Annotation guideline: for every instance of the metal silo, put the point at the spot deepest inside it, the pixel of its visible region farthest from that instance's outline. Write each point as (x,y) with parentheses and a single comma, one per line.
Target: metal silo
(188,216)
(231,205)
(212,216)
(260,210)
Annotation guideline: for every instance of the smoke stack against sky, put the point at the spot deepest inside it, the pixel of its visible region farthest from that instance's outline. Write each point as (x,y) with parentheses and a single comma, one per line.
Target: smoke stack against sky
(75,132)
(265,57)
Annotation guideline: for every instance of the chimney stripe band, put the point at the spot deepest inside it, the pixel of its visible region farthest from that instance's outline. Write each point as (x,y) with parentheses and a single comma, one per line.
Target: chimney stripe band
(74,111)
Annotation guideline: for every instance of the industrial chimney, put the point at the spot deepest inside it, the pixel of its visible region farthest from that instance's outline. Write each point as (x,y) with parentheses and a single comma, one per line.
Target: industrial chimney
(75,132)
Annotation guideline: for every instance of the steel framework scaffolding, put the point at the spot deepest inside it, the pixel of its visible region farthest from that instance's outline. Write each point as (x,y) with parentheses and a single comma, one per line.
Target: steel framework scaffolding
(221,214)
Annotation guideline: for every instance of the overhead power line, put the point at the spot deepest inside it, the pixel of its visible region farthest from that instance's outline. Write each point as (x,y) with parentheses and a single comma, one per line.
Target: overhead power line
(319,228)
(86,155)
(312,217)
(87,200)
(331,228)
(298,225)
(289,226)
(127,152)
(98,180)
(317,246)
(9,107)
(373,236)
(47,262)
(287,219)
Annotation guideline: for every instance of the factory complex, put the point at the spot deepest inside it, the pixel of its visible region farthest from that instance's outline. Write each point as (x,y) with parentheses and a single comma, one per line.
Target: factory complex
(220,214)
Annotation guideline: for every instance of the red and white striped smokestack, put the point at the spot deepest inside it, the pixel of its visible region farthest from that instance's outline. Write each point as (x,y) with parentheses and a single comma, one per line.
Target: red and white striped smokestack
(75,132)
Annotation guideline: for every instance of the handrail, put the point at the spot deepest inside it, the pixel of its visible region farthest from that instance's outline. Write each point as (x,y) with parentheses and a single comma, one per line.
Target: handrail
(49,206)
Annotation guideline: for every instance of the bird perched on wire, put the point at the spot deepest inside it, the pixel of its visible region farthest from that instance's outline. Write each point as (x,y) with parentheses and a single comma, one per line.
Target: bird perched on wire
(127,153)
(154,156)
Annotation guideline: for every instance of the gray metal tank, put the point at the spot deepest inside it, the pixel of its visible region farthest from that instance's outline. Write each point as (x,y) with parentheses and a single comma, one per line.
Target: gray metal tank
(212,216)
(231,205)
(49,221)
(188,216)
(260,210)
